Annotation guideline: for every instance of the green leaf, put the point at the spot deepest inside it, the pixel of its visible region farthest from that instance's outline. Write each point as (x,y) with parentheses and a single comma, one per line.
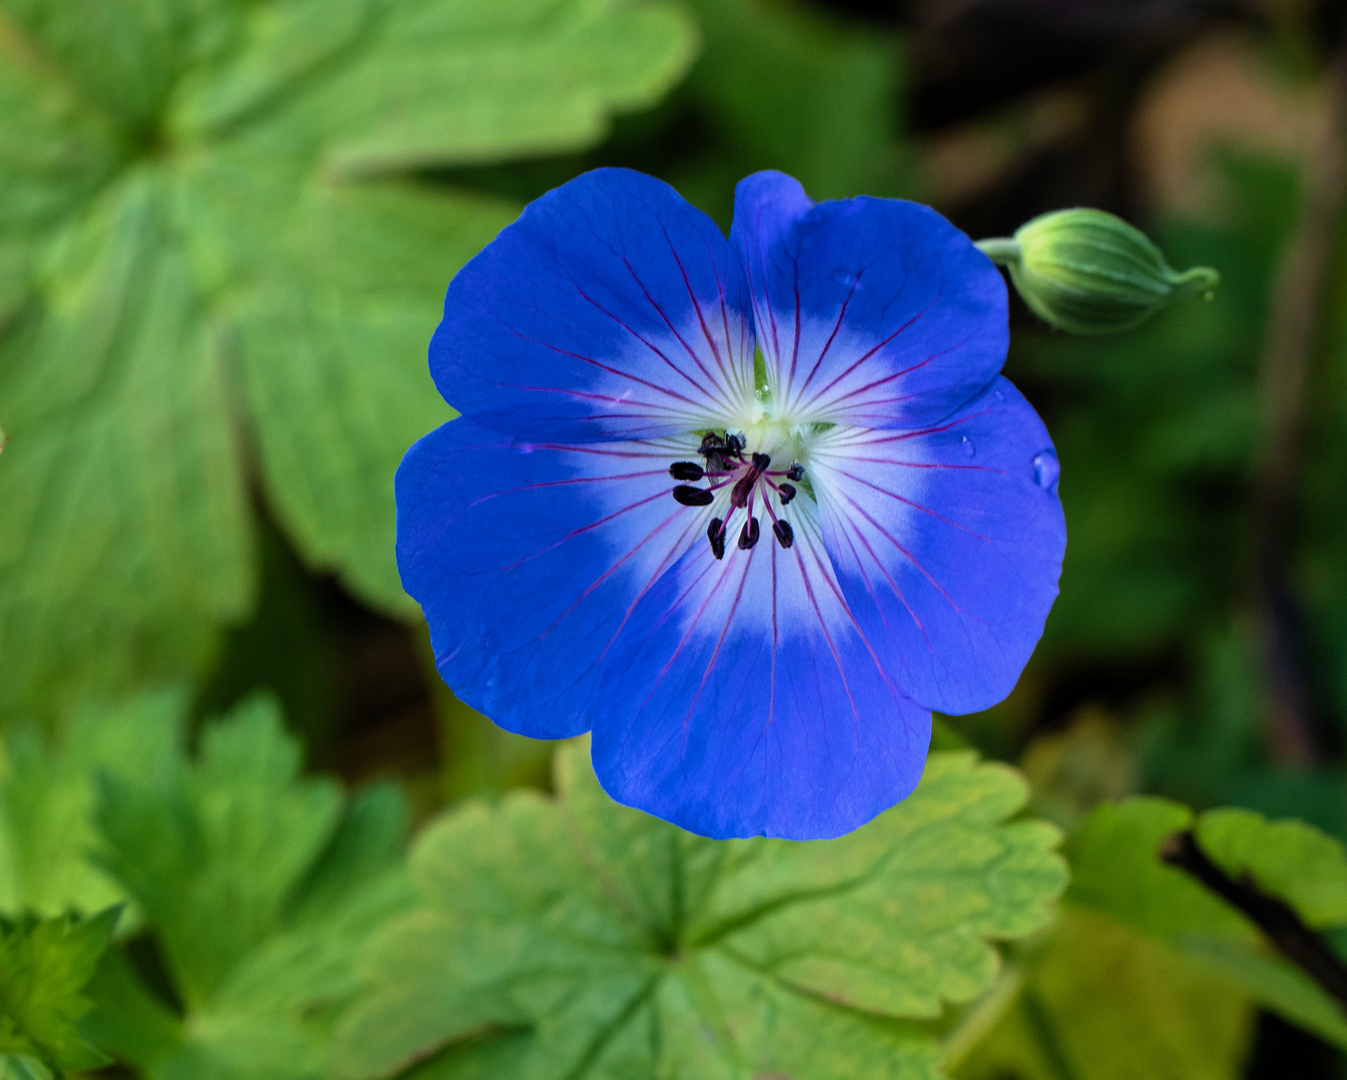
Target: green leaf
(44,966)
(1272,982)
(1287,859)
(1107,1002)
(260,887)
(487,82)
(1116,869)
(368,257)
(121,58)
(1151,974)
(194,244)
(126,510)
(780,85)
(47,799)
(129,1021)
(615,945)
(219,846)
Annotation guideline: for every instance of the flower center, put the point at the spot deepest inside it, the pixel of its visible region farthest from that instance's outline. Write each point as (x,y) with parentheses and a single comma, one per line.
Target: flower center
(746,480)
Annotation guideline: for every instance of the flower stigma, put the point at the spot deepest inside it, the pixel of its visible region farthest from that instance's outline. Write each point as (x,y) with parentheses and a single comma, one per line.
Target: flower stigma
(760,463)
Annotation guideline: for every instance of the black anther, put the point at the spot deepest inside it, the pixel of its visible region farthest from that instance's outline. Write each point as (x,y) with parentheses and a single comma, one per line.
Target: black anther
(795,472)
(785,535)
(715,532)
(735,444)
(686,470)
(761,462)
(748,535)
(691,496)
(787,492)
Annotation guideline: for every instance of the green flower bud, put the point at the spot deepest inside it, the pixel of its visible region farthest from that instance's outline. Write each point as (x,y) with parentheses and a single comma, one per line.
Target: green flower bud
(1089,272)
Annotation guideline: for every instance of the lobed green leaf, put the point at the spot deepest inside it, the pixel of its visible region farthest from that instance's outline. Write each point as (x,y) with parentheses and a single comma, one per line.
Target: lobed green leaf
(45,965)
(575,937)
(1291,860)
(1151,974)
(253,887)
(47,796)
(192,246)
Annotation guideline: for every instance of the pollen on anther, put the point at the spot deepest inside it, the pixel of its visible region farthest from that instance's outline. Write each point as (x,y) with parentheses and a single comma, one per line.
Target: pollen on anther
(691,496)
(686,470)
(715,532)
(748,535)
(795,472)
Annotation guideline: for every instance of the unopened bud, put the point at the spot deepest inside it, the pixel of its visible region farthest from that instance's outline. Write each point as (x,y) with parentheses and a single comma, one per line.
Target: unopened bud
(1088,272)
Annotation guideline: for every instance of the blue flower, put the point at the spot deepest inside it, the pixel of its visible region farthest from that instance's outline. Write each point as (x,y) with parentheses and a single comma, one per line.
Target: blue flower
(747,510)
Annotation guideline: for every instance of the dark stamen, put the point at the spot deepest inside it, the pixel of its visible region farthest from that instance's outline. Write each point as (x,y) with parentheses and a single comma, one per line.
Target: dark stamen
(787,492)
(739,493)
(761,462)
(795,472)
(785,535)
(686,470)
(748,535)
(691,496)
(735,444)
(715,532)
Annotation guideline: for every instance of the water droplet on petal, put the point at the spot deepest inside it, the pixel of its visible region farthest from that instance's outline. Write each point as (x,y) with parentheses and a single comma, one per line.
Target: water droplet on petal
(1046,470)
(968,448)
(1000,396)
(846,278)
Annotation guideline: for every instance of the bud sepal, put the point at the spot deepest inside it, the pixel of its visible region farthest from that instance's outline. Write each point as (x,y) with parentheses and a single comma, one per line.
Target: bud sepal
(1088,272)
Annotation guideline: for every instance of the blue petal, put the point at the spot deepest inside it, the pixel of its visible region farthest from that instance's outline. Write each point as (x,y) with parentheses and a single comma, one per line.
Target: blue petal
(611,309)
(527,558)
(743,700)
(873,312)
(948,544)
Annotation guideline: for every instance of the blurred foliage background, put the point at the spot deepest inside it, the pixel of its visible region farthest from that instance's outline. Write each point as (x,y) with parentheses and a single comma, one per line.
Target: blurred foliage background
(223,245)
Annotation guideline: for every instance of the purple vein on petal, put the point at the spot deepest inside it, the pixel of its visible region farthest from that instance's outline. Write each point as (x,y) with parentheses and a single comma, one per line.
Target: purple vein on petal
(813,402)
(691,628)
(874,658)
(910,557)
(832,647)
(562,483)
(907,502)
(851,615)
(795,347)
(664,563)
(674,553)
(902,436)
(604,367)
(771,315)
(672,329)
(641,338)
(898,592)
(697,307)
(715,655)
(928,465)
(841,314)
(586,528)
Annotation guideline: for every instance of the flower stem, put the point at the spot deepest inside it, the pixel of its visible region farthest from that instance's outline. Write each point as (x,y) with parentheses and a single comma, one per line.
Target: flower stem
(1002,250)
